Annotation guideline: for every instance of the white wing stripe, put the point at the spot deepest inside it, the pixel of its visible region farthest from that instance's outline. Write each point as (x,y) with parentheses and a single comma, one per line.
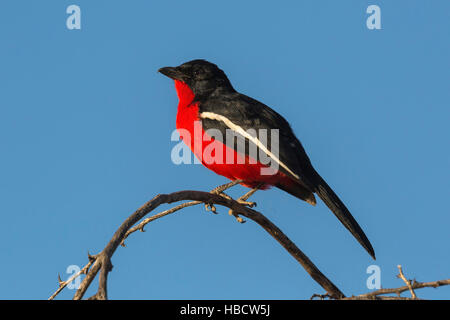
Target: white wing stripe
(238,129)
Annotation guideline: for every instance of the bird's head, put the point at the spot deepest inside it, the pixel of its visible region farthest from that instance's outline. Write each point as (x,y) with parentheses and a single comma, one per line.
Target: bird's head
(201,76)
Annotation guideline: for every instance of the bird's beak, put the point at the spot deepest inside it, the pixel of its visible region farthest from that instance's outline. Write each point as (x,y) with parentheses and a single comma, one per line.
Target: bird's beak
(172,73)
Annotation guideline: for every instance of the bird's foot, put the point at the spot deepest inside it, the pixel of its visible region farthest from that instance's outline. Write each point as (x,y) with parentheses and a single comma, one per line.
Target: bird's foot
(210,207)
(246,203)
(238,218)
(220,191)
(243,201)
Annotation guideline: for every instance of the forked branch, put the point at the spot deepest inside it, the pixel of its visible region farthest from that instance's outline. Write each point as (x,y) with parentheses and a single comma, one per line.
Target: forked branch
(383,294)
(102,261)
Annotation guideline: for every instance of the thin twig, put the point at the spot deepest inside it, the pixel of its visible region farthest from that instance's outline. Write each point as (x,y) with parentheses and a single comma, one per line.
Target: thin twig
(144,222)
(63,284)
(408,283)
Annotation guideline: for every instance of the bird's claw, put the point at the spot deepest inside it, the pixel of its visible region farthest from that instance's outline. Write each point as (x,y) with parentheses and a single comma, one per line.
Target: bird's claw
(238,218)
(210,207)
(247,203)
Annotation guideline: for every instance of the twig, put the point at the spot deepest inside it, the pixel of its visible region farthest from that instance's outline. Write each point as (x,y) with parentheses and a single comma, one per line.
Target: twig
(408,283)
(144,222)
(63,284)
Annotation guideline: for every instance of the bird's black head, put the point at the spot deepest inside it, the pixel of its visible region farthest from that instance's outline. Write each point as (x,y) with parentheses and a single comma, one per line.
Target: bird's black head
(201,76)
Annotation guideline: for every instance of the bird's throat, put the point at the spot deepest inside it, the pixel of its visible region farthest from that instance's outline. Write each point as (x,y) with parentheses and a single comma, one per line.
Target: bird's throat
(187,113)
(185,94)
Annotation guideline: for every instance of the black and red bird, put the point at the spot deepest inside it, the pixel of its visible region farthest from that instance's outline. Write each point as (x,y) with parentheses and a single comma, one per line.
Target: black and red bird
(208,102)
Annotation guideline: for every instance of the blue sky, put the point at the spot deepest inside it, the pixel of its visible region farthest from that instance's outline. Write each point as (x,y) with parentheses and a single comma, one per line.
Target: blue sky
(85,126)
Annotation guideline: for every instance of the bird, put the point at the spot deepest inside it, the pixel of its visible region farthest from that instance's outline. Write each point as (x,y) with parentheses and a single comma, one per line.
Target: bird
(210,108)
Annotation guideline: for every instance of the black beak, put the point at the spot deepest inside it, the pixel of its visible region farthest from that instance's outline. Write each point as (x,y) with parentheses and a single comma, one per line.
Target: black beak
(172,73)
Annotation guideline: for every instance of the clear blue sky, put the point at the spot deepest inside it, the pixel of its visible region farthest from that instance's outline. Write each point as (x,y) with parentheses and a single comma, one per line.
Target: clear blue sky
(85,125)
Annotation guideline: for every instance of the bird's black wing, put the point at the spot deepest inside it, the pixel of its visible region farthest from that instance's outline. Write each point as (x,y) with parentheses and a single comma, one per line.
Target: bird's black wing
(248,113)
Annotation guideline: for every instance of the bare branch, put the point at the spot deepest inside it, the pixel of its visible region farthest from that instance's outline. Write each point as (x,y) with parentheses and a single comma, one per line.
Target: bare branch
(103,259)
(379,294)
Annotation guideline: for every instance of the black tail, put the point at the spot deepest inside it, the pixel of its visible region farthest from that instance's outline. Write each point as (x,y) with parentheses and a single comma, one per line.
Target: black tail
(341,212)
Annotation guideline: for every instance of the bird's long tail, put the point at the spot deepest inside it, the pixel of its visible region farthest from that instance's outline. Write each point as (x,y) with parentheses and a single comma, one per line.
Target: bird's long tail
(323,190)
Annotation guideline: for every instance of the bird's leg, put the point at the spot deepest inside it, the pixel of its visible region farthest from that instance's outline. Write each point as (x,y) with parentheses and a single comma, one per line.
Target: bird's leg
(225,186)
(220,190)
(243,200)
